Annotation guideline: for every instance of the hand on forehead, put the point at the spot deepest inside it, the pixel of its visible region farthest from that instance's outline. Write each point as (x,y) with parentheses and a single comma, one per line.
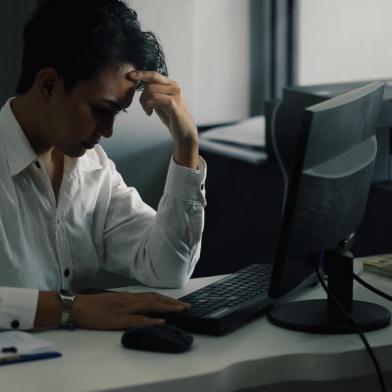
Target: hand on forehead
(147,77)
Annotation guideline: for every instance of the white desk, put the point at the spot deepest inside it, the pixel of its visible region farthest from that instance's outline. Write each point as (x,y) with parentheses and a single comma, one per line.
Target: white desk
(259,356)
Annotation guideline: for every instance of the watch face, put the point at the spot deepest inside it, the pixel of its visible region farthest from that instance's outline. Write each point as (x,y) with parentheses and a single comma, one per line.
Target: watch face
(67,293)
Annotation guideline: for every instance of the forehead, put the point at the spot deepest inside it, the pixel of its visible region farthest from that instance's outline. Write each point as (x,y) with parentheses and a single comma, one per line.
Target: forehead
(110,83)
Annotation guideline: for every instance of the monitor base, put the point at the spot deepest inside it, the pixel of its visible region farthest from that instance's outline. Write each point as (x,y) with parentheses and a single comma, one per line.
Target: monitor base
(313,316)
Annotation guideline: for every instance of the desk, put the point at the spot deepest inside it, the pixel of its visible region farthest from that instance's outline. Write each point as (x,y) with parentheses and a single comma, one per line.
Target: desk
(257,357)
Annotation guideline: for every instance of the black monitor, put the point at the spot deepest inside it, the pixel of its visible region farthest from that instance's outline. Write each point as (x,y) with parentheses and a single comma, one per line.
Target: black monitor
(328,156)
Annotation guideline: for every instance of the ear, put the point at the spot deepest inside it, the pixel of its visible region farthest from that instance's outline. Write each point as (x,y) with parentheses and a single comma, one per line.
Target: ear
(48,81)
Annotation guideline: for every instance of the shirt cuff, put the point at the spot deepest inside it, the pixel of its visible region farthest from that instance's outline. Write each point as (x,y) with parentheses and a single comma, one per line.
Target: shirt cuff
(17,308)
(185,183)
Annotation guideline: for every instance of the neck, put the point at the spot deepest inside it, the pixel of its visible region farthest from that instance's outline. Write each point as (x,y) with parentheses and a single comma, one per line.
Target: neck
(29,115)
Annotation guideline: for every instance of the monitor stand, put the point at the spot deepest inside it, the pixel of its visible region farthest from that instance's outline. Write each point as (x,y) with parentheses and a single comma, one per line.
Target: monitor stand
(323,315)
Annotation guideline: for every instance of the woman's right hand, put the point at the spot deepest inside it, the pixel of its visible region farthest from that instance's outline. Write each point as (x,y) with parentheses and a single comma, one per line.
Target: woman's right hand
(109,310)
(121,310)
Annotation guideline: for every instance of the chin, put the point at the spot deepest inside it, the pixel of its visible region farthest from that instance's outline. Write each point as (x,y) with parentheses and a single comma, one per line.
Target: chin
(74,152)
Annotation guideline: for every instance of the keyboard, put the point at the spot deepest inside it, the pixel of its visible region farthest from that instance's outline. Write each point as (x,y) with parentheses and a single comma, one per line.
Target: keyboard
(226,304)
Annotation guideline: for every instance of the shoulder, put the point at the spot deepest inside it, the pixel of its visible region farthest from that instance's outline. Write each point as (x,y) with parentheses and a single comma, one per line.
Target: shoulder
(3,157)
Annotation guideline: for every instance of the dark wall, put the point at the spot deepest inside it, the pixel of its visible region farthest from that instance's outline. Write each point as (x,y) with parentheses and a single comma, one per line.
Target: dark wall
(13,15)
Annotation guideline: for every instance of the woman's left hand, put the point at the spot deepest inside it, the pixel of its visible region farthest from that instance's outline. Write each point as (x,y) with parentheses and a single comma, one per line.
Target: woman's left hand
(165,97)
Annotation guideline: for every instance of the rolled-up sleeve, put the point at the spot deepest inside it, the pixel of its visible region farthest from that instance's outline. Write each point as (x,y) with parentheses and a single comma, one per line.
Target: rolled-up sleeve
(17,308)
(158,248)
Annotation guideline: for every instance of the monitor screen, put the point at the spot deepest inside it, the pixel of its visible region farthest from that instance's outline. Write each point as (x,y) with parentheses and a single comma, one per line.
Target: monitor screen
(328,153)
(328,180)
(382,171)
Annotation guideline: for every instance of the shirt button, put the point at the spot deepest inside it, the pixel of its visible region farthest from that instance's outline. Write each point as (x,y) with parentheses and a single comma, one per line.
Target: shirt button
(38,165)
(15,324)
(66,272)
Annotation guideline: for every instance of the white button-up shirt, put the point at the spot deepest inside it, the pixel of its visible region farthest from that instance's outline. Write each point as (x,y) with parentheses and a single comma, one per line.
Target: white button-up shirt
(98,222)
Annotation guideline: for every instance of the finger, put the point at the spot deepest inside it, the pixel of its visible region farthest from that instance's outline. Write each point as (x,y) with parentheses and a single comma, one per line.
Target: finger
(172,301)
(166,308)
(176,302)
(151,92)
(168,89)
(147,77)
(163,102)
(154,90)
(144,97)
(149,307)
(163,298)
(158,298)
(158,102)
(143,320)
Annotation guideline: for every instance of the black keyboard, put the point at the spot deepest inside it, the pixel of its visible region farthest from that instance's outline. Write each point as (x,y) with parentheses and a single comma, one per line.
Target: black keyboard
(227,303)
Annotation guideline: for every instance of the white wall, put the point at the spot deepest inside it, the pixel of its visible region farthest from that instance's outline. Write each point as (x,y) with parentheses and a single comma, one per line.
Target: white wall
(344,40)
(207,46)
(221,60)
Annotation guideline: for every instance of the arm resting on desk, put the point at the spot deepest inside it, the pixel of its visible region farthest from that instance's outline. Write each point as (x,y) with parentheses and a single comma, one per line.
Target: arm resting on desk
(107,310)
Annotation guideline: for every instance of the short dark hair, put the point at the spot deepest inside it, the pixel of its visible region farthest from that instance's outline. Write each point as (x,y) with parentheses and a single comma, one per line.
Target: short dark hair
(80,37)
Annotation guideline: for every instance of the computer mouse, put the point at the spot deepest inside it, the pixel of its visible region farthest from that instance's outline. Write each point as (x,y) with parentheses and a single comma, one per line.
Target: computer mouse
(159,337)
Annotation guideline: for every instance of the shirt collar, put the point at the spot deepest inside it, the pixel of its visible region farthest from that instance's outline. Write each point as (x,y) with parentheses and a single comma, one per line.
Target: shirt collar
(87,163)
(17,148)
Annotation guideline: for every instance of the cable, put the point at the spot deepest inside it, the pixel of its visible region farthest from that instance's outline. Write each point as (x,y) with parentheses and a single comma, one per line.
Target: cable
(371,288)
(277,154)
(351,320)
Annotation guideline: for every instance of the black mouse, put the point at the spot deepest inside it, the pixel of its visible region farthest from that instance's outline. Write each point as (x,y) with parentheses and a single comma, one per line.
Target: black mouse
(158,337)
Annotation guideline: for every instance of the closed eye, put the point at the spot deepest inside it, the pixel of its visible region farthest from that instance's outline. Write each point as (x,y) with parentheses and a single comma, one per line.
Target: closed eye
(103,112)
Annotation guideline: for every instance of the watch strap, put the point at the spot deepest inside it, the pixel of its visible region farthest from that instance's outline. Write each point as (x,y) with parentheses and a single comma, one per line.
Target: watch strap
(66,298)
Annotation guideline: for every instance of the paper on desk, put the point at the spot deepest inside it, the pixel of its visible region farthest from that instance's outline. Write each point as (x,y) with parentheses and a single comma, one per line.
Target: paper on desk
(244,154)
(380,264)
(24,342)
(246,133)
(244,140)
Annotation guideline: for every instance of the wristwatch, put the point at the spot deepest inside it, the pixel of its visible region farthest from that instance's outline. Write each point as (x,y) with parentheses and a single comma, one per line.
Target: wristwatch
(67,298)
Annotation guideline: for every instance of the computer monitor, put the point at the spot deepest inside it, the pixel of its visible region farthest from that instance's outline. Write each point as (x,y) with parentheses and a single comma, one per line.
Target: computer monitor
(382,172)
(328,180)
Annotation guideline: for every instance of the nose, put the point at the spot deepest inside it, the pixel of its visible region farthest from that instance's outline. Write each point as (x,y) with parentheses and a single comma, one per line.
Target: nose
(105,128)
(107,132)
